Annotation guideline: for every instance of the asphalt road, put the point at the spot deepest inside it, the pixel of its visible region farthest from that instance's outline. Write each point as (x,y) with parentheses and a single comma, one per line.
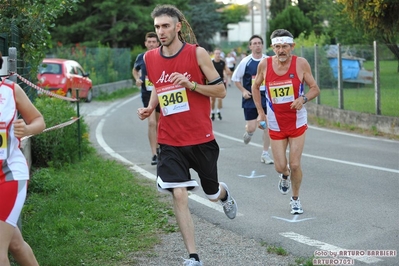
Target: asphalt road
(349,191)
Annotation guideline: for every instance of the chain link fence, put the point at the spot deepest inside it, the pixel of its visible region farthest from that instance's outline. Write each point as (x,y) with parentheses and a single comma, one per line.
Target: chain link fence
(104,64)
(361,78)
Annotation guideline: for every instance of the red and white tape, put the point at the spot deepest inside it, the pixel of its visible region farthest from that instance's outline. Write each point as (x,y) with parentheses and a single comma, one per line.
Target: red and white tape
(49,93)
(73,120)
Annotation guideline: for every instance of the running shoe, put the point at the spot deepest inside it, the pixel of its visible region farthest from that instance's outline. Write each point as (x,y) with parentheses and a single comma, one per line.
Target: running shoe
(296,207)
(213,117)
(230,205)
(284,184)
(247,137)
(265,158)
(154,160)
(192,262)
(219,116)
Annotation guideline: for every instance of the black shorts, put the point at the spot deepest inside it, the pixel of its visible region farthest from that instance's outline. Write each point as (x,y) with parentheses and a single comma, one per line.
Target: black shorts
(251,113)
(145,97)
(174,164)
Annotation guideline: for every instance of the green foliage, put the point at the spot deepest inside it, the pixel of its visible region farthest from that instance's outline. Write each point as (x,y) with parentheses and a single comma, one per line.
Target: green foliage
(104,64)
(278,6)
(277,250)
(204,20)
(118,24)
(233,14)
(60,146)
(293,20)
(33,19)
(94,212)
(377,18)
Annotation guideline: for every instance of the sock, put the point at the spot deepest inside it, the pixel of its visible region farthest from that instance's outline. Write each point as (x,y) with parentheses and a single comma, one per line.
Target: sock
(225,197)
(251,134)
(294,198)
(266,152)
(217,111)
(195,256)
(285,176)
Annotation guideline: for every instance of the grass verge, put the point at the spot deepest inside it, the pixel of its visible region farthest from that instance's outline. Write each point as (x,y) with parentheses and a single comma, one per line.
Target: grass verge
(95,212)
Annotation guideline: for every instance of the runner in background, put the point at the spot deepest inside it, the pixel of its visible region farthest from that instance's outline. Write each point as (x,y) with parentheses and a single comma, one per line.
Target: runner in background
(243,76)
(139,73)
(221,68)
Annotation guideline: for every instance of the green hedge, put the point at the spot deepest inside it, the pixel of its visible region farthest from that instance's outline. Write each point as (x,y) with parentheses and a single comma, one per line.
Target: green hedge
(60,146)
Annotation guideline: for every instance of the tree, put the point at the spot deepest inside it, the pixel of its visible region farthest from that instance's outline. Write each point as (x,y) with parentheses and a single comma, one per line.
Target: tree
(33,19)
(277,6)
(378,19)
(232,14)
(293,20)
(120,24)
(204,20)
(311,10)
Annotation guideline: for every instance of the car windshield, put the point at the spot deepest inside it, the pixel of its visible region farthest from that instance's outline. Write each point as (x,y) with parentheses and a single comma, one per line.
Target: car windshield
(50,68)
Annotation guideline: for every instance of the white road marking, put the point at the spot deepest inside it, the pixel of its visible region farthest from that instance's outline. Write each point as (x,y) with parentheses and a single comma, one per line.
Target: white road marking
(252,175)
(294,219)
(316,157)
(327,247)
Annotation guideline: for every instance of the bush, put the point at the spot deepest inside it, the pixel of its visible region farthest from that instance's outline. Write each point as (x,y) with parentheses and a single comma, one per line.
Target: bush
(60,146)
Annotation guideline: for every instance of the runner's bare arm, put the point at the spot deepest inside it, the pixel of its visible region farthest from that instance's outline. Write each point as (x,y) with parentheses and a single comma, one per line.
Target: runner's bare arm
(33,121)
(259,78)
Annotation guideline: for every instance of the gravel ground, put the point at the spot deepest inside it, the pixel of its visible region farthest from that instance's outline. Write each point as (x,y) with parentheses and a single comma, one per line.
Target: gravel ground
(218,248)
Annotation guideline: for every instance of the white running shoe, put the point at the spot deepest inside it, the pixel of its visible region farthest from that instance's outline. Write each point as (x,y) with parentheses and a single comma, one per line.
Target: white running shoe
(192,262)
(265,158)
(247,137)
(296,207)
(230,205)
(284,184)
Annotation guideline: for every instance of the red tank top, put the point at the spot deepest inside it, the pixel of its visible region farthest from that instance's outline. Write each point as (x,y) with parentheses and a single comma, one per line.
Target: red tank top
(281,92)
(184,118)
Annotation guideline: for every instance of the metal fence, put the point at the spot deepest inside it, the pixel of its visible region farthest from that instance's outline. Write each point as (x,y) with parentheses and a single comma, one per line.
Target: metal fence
(10,43)
(359,77)
(104,64)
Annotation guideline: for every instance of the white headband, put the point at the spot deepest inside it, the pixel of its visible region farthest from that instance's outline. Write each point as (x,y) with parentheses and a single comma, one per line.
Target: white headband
(283,39)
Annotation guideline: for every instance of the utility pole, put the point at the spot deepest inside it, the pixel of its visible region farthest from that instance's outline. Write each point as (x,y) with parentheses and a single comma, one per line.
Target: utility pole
(263,19)
(252,18)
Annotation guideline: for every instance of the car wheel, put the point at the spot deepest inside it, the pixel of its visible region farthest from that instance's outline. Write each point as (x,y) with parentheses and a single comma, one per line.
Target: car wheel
(89,96)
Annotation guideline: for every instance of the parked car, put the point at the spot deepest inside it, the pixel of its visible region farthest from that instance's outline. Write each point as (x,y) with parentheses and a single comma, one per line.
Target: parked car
(65,75)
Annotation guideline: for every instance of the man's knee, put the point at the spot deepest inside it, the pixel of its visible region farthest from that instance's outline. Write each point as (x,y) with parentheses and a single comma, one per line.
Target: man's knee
(180,193)
(15,246)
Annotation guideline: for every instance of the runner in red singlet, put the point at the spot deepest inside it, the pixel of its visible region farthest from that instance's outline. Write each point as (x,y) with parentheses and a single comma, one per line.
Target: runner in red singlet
(285,75)
(184,79)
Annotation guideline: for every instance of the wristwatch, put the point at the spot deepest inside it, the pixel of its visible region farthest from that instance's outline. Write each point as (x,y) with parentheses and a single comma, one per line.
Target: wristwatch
(305,99)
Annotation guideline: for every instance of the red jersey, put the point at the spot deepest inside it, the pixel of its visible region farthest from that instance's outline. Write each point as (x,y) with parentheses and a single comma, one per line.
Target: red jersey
(184,118)
(281,92)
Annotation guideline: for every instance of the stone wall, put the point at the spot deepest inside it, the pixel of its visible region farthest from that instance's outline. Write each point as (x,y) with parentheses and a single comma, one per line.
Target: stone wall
(107,88)
(385,124)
